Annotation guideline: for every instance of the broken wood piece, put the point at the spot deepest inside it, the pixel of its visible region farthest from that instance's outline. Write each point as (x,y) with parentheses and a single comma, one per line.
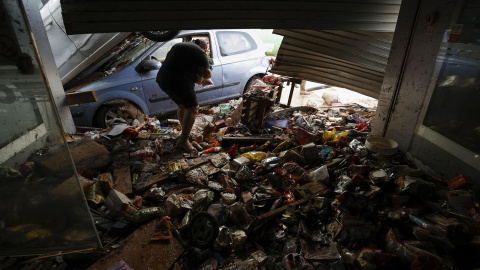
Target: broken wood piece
(81,97)
(247,139)
(123,180)
(144,123)
(161,178)
(86,154)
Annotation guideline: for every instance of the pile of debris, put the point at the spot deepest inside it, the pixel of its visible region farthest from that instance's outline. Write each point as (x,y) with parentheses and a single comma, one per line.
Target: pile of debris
(305,188)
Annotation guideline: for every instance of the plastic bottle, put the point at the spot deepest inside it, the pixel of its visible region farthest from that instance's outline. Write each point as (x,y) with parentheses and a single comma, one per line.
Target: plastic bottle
(212,150)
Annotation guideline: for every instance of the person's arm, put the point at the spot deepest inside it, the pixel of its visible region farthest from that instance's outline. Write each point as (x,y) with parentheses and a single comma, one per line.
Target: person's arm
(205,72)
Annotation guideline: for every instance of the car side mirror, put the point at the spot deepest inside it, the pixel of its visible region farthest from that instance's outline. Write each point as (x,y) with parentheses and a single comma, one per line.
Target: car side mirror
(148,65)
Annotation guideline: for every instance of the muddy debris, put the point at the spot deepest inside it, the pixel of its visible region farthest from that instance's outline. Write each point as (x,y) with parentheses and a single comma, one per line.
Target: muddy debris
(297,188)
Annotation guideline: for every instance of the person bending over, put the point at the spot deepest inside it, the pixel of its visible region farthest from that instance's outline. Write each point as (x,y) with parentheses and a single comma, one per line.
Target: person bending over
(186,64)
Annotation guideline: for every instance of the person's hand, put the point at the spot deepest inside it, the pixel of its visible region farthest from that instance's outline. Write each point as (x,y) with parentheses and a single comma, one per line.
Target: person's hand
(207,82)
(205,73)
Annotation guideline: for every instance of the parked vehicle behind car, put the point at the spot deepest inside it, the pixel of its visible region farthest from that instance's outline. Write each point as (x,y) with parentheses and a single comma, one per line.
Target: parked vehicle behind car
(74,53)
(125,84)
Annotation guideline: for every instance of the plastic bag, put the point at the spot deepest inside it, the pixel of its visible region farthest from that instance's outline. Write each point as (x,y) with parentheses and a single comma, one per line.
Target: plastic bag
(320,174)
(328,136)
(358,147)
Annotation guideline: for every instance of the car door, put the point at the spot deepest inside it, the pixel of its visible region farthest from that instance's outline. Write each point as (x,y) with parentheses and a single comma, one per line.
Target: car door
(238,54)
(212,93)
(157,100)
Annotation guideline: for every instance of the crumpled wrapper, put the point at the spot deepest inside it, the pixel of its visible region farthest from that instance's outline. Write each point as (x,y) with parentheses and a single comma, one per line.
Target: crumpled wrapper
(177,205)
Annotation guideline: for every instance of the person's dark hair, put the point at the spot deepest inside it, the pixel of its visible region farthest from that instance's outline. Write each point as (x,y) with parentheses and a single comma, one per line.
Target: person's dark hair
(201,43)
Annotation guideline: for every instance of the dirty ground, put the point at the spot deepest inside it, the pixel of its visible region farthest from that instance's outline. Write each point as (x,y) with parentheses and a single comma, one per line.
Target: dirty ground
(269,187)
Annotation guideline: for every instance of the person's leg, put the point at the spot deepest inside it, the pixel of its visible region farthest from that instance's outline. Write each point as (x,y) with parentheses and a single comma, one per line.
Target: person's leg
(188,121)
(180,114)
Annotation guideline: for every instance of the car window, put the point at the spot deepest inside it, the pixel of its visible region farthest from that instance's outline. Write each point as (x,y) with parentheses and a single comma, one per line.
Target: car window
(133,49)
(161,52)
(231,42)
(41,3)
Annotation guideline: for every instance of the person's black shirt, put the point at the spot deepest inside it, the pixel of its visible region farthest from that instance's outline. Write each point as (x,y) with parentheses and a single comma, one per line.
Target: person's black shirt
(182,63)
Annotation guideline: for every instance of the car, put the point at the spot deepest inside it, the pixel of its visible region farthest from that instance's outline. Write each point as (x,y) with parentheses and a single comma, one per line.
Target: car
(125,84)
(73,53)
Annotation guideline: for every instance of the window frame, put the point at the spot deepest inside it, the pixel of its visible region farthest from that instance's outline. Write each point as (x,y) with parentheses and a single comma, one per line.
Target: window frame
(248,37)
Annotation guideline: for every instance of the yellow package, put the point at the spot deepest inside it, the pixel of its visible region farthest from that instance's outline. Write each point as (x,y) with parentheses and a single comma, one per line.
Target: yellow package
(254,155)
(95,194)
(339,135)
(282,146)
(174,167)
(328,136)
(263,146)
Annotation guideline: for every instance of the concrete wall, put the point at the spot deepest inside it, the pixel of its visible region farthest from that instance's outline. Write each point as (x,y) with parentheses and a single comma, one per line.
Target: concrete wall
(405,90)
(24,132)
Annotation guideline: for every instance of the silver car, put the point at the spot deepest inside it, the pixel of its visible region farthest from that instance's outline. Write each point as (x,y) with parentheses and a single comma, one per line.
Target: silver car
(126,82)
(73,53)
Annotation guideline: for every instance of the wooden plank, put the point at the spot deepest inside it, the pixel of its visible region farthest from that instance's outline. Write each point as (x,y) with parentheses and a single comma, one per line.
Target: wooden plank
(304,194)
(247,139)
(161,178)
(293,81)
(123,180)
(81,97)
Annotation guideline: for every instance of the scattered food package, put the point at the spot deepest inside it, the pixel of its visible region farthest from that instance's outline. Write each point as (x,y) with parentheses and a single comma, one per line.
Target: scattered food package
(296,188)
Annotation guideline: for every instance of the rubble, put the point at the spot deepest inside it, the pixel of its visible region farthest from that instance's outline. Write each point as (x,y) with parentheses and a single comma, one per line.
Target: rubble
(298,188)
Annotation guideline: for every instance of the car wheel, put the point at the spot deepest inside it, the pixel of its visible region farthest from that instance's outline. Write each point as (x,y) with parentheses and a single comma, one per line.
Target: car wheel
(160,36)
(108,113)
(250,83)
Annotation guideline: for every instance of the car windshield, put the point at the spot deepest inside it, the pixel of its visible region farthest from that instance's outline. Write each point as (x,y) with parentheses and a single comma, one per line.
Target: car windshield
(133,48)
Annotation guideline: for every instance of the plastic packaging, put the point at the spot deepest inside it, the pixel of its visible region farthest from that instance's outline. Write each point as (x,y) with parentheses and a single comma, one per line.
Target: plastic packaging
(212,150)
(239,216)
(197,146)
(95,195)
(244,174)
(228,198)
(358,147)
(282,146)
(263,146)
(145,214)
(120,265)
(289,197)
(224,108)
(247,148)
(320,174)
(270,163)
(233,151)
(291,171)
(163,230)
(328,136)
(254,156)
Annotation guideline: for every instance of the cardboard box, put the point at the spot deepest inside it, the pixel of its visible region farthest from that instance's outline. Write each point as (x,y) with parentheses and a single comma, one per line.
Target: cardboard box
(117,202)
